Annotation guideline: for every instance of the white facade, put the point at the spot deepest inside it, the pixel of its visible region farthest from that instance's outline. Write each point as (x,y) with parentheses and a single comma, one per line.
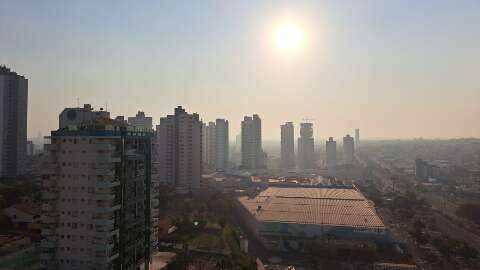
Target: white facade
(141,121)
(348,150)
(96,184)
(77,116)
(221,144)
(180,150)
(331,156)
(357,137)
(13,123)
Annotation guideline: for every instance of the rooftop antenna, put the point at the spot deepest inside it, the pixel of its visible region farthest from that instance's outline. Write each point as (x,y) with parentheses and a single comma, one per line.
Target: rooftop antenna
(106,106)
(78,102)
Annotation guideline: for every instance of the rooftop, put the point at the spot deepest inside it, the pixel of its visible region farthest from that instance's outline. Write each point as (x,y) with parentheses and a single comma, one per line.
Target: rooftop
(321,206)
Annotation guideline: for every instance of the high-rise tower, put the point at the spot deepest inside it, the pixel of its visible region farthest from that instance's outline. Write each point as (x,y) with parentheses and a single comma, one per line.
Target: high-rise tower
(348,150)
(252,152)
(180,150)
(13,123)
(287,145)
(221,144)
(331,156)
(306,159)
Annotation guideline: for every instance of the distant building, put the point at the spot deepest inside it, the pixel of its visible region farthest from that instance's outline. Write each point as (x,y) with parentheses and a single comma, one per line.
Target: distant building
(221,145)
(140,121)
(287,145)
(357,137)
(423,169)
(331,156)
(348,150)
(97,210)
(210,143)
(306,147)
(253,156)
(76,116)
(30,148)
(13,123)
(180,150)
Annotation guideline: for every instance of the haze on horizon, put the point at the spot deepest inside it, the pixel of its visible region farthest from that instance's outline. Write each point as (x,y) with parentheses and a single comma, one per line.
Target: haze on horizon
(394,69)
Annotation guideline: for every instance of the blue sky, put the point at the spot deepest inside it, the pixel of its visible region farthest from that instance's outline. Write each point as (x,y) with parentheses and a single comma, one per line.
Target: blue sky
(395,69)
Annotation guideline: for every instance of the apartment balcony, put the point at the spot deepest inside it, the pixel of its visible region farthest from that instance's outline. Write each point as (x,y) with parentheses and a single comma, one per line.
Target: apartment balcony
(47,232)
(49,219)
(107,183)
(101,171)
(49,183)
(50,195)
(104,196)
(46,256)
(104,222)
(50,167)
(108,206)
(106,246)
(105,147)
(48,244)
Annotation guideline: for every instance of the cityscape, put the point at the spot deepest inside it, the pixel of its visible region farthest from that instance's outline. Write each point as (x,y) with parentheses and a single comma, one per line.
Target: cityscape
(261,179)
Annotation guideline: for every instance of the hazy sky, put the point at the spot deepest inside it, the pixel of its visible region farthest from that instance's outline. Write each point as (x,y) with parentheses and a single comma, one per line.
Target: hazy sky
(393,69)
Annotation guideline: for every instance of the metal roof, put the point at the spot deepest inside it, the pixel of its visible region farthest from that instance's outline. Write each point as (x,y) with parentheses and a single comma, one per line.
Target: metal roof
(321,206)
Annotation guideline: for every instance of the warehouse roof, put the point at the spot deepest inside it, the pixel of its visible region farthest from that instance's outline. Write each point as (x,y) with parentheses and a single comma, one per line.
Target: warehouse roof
(321,206)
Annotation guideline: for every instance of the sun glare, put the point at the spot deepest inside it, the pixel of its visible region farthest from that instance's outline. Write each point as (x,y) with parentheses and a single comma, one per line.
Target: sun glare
(289,37)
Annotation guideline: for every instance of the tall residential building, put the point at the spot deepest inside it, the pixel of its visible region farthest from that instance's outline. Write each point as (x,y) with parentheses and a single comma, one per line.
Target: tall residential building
(180,150)
(210,140)
(141,121)
(252,151)
(306,158)
(348,150)
(287,142)
(331,156)
(221,144)
(13,123)
(97,210)
(357,137)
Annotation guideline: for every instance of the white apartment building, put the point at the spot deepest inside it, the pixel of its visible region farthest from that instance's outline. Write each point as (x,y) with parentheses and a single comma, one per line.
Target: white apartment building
(141,121)
(98,208)
(180,151)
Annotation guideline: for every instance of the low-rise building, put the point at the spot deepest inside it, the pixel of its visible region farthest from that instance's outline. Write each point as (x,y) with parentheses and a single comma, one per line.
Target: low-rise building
(284,217)
(24,215)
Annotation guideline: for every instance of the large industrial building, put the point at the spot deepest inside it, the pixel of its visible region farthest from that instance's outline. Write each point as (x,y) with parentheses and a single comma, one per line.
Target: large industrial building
(284,217)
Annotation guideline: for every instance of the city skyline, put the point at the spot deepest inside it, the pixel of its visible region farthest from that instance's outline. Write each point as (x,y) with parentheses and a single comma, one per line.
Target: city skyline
(385,50)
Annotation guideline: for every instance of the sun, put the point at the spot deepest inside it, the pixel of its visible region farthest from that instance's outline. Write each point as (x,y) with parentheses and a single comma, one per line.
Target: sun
(289,37)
